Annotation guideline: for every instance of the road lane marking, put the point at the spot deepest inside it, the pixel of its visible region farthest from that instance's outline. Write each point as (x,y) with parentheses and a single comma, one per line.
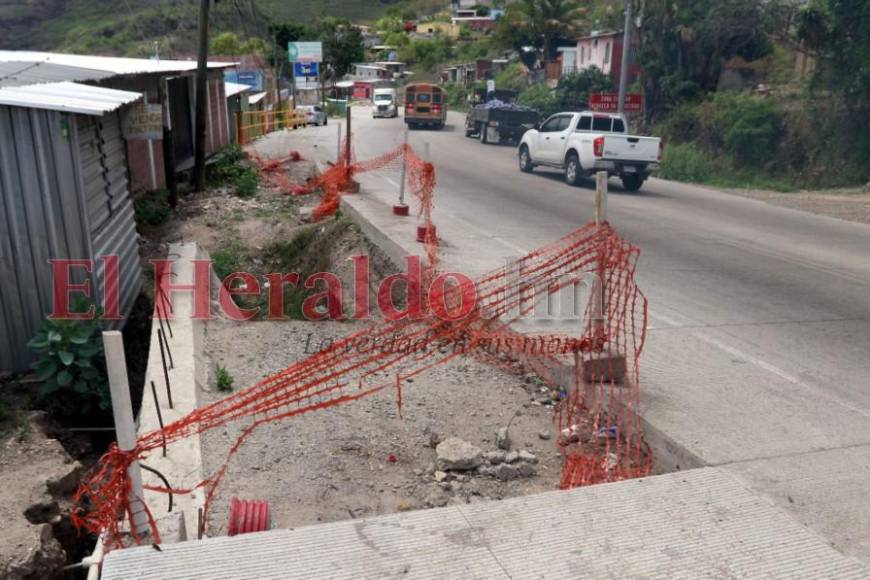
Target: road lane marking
(785,375)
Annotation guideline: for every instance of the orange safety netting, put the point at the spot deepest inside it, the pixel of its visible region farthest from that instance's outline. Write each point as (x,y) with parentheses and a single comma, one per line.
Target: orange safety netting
(419,178)
(599,429)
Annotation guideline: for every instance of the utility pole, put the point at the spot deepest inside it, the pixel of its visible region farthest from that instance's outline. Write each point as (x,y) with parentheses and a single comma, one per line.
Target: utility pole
(201,97)
(626,46)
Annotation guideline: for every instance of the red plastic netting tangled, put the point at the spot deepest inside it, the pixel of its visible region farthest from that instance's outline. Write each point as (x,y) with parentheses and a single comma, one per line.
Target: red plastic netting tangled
(595,370)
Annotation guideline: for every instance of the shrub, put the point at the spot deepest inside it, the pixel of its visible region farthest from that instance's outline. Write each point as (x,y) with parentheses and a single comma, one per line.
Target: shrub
(247,182)
(229,169)
(71,365)
(152,209)
(572,91)
(750,128)
(224,379)
(540,97)
(686,162)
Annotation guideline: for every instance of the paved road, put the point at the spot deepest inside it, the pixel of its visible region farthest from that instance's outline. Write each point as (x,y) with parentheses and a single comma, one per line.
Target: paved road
(757,357)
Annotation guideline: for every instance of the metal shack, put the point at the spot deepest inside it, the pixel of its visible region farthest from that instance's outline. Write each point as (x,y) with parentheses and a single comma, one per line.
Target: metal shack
(64,194)
(166,109)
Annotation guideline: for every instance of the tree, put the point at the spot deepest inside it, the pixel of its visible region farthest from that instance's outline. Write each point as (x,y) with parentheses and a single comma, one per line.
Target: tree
(837,30)
(572,92)
(548,22)
(343,45)
(511,32)
(229,43)
(428,53)
(685,43)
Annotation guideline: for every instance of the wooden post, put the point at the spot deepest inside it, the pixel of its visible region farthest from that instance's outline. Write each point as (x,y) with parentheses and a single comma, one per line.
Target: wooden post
(125,427)
(201,97)
(168,145)
(240,139)
(348,134)
(599,306)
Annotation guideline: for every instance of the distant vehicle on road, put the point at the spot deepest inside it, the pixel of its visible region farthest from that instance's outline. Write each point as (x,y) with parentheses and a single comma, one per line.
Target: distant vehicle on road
(314,114)
(500,120)
(588,142)
(425,105)
(385,103)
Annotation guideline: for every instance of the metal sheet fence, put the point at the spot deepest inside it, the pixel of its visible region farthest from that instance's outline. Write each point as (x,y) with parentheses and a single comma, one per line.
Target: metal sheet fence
(47,163)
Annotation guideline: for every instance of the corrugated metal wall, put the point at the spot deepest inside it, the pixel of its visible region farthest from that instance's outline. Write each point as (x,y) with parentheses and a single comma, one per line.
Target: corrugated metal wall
(64,194)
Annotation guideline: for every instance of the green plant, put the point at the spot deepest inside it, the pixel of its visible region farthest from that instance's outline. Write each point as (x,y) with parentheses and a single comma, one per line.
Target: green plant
(229,168)
(224,379)
(247,182)
(228,260)
(71,365)
(572,91)
(152,208)
(541,98)
(750,128)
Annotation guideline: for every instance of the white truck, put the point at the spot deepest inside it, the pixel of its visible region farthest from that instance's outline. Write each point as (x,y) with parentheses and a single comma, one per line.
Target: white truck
(384,103)
(588,142)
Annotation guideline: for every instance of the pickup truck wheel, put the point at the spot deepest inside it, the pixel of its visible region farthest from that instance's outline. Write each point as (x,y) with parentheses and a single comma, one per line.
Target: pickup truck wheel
(526,165)
(631,182)
(572,169)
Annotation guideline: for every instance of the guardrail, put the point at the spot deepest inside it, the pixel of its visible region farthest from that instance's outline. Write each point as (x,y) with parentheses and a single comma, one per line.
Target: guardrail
(253,124)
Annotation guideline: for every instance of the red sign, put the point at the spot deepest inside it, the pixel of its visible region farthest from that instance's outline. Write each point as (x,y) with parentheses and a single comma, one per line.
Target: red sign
(609,102)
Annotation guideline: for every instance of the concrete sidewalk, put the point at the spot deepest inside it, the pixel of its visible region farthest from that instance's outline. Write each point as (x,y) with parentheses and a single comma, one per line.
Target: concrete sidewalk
(698,524)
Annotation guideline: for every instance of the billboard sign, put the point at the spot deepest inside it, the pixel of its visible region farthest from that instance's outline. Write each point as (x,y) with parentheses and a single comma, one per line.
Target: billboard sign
(305,51)
(609,102)
(251,78)
(306,69)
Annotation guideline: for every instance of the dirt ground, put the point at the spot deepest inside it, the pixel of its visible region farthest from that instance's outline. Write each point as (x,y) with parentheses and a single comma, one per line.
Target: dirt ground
(845,204)
(215,219)
(334,464)
(37,478)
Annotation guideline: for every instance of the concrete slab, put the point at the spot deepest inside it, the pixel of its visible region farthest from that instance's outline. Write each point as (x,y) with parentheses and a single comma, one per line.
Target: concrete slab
(696,524)
(819,490)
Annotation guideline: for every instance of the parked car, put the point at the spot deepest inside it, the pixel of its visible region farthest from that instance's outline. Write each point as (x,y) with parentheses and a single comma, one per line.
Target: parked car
(588,142)
(314,114)
(385,103)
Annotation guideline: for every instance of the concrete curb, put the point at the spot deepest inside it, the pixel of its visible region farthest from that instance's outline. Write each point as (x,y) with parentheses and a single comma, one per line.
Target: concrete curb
(182,465)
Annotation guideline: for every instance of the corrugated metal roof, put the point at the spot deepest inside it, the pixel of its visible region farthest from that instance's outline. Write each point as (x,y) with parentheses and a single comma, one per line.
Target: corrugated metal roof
(68,97)
(235,88)
(15,73)
(100,65)
(256,98)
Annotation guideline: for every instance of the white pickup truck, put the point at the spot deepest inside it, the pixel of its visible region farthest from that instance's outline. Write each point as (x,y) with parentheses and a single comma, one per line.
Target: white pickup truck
(588,142)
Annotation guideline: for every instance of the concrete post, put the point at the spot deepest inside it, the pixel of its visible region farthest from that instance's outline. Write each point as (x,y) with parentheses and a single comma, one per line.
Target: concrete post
(600,197)
(338,148)
(125,427)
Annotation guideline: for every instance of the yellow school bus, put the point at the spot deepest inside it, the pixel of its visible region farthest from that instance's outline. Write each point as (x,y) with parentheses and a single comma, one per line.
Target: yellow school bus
(425,105)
